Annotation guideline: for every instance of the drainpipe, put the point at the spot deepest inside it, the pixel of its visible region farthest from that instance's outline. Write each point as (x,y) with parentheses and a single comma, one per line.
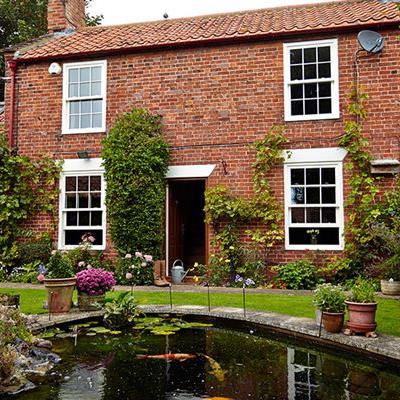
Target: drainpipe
(12,65)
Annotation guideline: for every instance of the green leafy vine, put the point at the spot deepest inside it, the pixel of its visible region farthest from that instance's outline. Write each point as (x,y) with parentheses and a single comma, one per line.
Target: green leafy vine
(27,187)
(228,213)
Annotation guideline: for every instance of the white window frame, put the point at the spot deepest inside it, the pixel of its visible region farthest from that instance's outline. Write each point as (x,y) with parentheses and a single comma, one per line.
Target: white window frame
(66,99)
(315,158)
(78,167)
(333,43)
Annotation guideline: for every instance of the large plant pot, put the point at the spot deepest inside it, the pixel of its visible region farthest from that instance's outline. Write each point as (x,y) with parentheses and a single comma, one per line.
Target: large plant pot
(59,294)
(390,288)
(361,317)
(90,303)
(332,322)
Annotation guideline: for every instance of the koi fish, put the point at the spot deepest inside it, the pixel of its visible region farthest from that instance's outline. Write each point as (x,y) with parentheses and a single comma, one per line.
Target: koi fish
(216,370)
(219,398)
(170,357)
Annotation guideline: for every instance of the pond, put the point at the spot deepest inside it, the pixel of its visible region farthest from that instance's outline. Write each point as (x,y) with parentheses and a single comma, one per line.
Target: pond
(207,363)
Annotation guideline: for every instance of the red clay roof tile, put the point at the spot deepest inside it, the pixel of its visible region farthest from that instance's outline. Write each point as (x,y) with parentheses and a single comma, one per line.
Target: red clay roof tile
(186,31)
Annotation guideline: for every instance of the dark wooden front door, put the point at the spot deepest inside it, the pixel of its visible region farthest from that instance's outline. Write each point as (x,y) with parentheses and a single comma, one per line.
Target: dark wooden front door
(186,227)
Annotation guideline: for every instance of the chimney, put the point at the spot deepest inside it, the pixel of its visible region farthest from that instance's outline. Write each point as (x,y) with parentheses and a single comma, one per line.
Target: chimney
(65,14)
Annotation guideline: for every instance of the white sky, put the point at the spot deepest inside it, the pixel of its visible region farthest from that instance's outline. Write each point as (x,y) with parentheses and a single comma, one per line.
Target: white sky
(125,11)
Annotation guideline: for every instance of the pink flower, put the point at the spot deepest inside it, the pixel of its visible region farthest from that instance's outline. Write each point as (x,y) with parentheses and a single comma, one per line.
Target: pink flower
(128,276)
(138,254)
(148,258)
(89,266)
(144,264)
(81,264)
(128,256)
(53,252)
(40,278)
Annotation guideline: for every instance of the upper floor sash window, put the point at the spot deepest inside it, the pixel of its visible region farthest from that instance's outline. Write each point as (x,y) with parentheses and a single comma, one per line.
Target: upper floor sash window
(311,80)
(84,94)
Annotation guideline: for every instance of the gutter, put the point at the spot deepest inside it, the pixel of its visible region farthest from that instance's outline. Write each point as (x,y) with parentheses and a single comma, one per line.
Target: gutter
(12,65)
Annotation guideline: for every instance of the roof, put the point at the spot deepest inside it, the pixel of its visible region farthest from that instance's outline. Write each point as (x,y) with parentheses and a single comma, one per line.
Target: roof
(270,22)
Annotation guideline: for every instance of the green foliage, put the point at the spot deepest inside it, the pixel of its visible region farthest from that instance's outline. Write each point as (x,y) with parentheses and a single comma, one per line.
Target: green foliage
(27,187)
(26,273)
(83,257)
(34,250)
(301,274)
(329,298)
(362,202)
(228,213)
(8,357)
(59,266)
(363,291)
(134,270)
(121,311)
(12,326)
(136,161)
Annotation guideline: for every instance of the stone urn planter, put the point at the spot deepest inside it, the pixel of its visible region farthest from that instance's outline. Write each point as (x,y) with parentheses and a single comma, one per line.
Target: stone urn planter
(59,294)
(90,303)
(332,322)
(361,317)
(390,288)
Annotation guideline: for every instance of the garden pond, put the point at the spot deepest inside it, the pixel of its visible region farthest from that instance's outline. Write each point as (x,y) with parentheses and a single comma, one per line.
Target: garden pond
(204,362)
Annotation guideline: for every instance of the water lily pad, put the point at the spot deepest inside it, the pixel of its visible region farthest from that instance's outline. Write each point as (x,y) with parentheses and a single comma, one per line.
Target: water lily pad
(100,329)
(115,332)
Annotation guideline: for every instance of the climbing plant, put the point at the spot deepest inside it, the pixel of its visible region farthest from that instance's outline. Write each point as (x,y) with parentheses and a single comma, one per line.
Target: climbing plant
(227,213)
(136,160)
(363,201)
(27,187)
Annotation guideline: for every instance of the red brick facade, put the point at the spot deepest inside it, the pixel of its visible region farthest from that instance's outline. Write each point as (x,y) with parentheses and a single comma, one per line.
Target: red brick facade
(63,14)
(215,100)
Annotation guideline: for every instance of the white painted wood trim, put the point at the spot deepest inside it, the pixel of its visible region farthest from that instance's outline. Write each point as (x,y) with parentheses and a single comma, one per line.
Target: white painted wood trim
(65,112)
(316,155)
(333,43)
(190,171)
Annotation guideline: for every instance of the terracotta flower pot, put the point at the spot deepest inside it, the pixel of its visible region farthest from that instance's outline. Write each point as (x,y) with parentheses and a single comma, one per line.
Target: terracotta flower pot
(59,294)
(390,288)
(361,317)
(90,303)
(332,322)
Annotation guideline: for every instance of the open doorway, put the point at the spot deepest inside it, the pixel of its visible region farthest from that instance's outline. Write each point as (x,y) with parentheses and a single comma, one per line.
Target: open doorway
(186,227)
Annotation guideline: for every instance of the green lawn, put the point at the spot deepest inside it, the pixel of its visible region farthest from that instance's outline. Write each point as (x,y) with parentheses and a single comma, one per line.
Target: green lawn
(388,315)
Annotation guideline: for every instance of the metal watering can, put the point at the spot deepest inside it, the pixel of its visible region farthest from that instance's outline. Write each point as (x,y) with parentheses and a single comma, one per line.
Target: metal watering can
(178,273)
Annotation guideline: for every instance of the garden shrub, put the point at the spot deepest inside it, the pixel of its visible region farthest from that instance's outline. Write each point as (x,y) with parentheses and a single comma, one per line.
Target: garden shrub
(136,162)
(135,269)
(59,266)
(301,274)
(83,257)
(34,250)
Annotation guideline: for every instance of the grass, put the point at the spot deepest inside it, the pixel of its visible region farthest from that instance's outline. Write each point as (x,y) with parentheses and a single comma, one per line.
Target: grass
(388,314)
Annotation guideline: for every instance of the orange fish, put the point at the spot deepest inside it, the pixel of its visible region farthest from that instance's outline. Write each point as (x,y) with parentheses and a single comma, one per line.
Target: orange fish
(169,357)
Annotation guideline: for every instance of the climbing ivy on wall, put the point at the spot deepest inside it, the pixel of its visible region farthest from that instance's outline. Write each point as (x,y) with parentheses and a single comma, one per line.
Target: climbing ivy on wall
(136,161)
(227,213)
(362,202)
(27,187)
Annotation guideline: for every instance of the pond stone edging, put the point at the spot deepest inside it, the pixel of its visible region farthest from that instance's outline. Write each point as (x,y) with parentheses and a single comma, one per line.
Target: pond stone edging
(384,348)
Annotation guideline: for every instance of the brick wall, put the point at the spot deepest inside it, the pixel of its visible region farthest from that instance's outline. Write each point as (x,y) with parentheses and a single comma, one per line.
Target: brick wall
(63,14)
(215,101)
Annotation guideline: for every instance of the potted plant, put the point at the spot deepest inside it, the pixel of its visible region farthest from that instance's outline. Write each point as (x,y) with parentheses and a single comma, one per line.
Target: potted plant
(330,299)
(60,282)
(361,306)
(92,284)
(390,284)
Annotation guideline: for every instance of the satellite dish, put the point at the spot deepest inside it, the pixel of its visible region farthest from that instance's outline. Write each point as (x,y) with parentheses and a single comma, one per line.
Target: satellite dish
(371,41)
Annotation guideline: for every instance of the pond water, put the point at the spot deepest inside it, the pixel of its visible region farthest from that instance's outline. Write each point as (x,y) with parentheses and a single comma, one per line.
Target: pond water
(214,363)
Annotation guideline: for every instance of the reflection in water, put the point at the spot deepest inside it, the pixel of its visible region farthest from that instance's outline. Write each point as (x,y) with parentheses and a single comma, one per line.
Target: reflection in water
(252,367)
